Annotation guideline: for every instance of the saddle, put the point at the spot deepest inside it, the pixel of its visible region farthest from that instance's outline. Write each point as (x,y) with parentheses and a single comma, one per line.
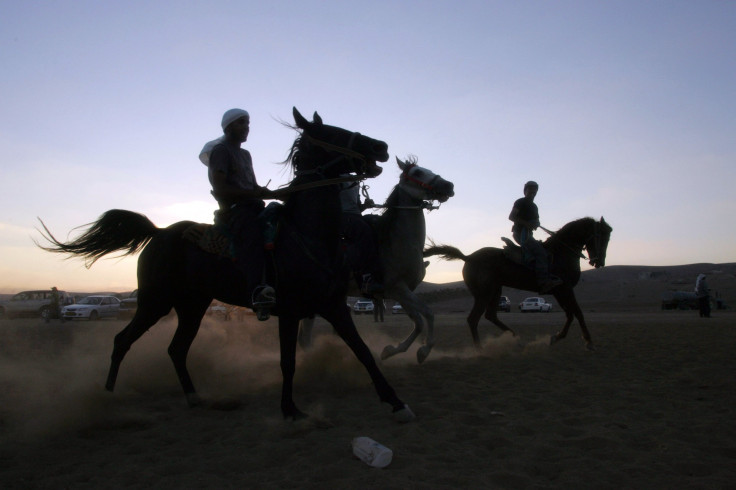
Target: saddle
(513,252)
(210,239)
(215,240)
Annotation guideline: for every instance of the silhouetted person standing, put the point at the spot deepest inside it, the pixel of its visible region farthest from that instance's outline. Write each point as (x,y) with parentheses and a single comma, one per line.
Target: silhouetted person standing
(702,291)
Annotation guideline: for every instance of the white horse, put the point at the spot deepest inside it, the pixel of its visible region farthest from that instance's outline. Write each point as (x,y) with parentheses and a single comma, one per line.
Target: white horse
(401,232)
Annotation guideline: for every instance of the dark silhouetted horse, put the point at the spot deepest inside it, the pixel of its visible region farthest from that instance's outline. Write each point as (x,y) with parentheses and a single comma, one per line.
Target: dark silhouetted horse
(487,270)
(310,275)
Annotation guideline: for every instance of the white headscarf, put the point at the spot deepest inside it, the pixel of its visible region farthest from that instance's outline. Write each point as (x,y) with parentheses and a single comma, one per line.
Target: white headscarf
(204,155)
(232,115)
(698,281)
(229,116)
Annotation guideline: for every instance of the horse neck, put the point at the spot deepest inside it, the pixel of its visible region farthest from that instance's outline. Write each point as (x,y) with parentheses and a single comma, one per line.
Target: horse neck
(570,240)
(403,220)
(315,212)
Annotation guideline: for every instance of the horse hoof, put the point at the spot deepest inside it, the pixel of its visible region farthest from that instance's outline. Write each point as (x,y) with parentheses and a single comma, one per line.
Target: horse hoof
(553,339)
(589,346)
(296,415)
(423,353)
(404,415)
(193,400)
(389,351)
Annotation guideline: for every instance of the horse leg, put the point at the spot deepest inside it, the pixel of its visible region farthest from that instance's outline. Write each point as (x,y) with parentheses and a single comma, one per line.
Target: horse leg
(305,332)
(428,315)
(288,327)
(492,311)
(572,310)
(145,317)
(190,312)
(563,332)
(404,297)
(343,324)
(583,327)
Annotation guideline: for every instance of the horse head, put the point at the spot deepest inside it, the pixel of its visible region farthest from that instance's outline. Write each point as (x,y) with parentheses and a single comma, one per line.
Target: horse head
(422,183)
(597,243)
(335,151)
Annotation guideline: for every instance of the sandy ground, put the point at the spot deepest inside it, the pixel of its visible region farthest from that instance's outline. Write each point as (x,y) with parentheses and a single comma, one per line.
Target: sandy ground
(652,407)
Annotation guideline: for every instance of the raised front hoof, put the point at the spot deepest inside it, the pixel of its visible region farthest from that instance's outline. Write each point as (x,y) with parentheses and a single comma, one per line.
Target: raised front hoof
(423,353)
(389,351)
(403,414)
(193,400)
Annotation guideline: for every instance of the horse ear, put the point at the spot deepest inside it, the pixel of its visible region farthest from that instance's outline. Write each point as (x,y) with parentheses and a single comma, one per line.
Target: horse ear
(402,165)
(299,119)
(316,119)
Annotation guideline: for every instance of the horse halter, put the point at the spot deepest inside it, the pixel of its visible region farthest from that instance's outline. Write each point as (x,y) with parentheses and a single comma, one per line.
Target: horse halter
(597,237)
(346,153)
(426,186)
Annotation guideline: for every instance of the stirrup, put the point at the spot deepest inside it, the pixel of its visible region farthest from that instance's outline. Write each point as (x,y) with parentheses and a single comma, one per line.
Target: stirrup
(264,298)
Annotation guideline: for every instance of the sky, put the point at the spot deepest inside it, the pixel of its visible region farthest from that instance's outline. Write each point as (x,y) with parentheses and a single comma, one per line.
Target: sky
(621,109)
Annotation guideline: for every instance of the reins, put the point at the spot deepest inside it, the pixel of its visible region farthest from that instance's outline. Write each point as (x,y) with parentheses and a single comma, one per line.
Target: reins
(569,247)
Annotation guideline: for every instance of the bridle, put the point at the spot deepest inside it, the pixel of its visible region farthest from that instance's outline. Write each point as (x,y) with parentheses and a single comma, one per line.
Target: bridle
(597,240)
(427,186)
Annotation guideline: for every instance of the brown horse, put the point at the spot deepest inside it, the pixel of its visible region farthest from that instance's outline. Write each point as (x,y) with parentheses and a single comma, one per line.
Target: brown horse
(487,270)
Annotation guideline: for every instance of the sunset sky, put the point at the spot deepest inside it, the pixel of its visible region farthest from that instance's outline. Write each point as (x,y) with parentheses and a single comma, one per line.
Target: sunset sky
(621,109)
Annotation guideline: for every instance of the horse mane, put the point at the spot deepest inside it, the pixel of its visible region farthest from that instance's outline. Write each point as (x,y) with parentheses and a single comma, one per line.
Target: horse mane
(389,205)
(570,231)
(393,197)
(292,156)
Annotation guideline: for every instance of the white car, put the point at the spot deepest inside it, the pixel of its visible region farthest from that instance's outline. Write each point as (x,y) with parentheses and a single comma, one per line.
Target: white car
(92,308)
(363,306)
(535,304)
(396,309)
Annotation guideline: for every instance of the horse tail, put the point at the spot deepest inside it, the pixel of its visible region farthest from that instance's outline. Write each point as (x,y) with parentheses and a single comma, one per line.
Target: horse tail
(446,252)
(116,230)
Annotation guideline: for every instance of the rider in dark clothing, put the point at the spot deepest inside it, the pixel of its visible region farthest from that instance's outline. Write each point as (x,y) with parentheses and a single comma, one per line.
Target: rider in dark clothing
(362,249)
(525,216)
(241,201)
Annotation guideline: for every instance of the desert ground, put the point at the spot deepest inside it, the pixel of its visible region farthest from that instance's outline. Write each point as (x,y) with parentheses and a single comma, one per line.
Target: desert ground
(652,407)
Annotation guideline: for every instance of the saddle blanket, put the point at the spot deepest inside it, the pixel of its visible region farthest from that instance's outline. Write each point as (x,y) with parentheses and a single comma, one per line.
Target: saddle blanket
(210,239)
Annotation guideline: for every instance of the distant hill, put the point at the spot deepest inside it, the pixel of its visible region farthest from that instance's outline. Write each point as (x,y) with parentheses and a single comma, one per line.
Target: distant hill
(617,287)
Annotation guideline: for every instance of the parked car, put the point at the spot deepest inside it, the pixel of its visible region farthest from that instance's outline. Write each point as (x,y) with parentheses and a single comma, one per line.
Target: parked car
(129,305)
(92,308)
(32,303)
(679,300)
(363,306)
(396,309)
(504,304)
(535,304)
